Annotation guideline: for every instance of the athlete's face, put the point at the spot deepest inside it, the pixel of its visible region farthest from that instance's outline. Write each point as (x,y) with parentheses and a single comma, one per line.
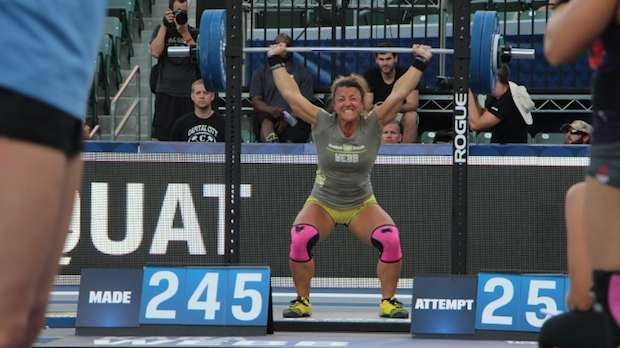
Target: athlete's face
(348,103)
(201,97)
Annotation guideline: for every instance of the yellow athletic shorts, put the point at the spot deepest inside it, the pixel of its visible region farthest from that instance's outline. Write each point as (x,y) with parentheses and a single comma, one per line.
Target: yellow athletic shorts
(342,216)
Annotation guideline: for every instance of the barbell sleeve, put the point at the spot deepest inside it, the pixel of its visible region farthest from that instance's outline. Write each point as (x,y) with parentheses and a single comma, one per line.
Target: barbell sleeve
(522,53)
(179,51)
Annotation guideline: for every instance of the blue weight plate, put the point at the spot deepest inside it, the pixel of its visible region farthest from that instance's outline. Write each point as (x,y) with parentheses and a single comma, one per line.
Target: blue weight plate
(486,71)
(203,48)
(217,50)
(477,27)
(212,46)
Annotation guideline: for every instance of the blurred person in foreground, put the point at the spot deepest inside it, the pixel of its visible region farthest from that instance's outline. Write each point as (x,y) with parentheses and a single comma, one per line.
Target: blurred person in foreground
(599,29)
(46,68)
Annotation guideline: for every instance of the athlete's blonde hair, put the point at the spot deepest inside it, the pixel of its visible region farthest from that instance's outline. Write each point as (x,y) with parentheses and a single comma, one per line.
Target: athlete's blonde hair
(353,80)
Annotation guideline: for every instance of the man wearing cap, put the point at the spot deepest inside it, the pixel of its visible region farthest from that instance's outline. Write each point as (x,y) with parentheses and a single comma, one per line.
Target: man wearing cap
(577,132)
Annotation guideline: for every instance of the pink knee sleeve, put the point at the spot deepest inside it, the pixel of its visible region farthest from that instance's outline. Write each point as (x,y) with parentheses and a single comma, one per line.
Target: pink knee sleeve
(613,297)
(386,238)
(303,238)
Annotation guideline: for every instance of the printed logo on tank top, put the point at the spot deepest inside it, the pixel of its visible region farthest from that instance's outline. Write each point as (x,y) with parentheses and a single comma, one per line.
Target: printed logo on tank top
(202,134)
(320,178)
(347,153)
(176,41)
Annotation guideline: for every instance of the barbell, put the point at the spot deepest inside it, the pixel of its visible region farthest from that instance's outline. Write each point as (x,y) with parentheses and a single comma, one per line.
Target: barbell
(487,50)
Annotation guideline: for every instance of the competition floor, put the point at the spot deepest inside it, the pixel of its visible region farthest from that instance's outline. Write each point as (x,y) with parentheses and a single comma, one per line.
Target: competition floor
(341,318)
(67,338)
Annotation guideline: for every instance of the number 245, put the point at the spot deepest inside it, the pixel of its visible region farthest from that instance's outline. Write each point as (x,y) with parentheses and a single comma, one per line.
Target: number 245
(210,305)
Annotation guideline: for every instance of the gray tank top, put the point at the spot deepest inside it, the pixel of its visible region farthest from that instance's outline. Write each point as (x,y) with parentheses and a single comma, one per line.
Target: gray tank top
(343,176)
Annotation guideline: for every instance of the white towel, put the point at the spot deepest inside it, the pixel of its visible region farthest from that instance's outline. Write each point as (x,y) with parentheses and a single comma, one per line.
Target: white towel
(524,102)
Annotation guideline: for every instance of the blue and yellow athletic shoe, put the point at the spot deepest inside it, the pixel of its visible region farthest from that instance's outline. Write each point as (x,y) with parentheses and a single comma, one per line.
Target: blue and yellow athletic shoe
(392,308)
(299,308)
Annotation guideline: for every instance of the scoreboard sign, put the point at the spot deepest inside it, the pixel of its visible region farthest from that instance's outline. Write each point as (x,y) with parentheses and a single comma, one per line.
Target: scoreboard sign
(175,300)
(109,298)
(465,305)
(443,305)
(204,296)
(518,302)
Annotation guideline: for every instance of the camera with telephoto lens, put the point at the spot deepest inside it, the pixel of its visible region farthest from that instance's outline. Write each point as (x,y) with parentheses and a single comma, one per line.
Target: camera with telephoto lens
(180,16)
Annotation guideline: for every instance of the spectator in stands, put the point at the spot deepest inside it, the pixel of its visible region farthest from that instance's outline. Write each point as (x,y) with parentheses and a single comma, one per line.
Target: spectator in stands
(392,133)
(577,132)
(46,70)
(204,124)
(507,111)
(574,26)
(274,119)
(381,79)
(175,75)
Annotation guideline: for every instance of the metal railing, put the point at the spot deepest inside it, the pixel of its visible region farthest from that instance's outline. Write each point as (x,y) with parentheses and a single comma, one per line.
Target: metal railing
(94,132)
(115,130)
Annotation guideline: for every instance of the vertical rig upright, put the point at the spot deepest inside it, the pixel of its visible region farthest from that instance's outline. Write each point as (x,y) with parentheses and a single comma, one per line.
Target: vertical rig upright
(460,147)
(234,50)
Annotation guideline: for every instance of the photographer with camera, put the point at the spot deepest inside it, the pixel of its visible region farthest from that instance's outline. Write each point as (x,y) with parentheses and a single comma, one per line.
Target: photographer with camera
(172,77)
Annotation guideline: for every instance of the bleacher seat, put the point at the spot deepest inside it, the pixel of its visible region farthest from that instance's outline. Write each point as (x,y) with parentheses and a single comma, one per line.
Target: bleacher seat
(549,138)
(138,9)
(427,137)
(114,29)
(472,137)
(483,138)
(108,75)
(104,70)
(92,99)
(124,11)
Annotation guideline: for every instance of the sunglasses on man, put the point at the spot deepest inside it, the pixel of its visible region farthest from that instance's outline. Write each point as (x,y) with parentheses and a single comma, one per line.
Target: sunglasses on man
(575,131)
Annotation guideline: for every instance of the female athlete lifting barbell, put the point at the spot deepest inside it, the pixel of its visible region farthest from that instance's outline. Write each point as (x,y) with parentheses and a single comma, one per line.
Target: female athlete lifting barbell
(347,143)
